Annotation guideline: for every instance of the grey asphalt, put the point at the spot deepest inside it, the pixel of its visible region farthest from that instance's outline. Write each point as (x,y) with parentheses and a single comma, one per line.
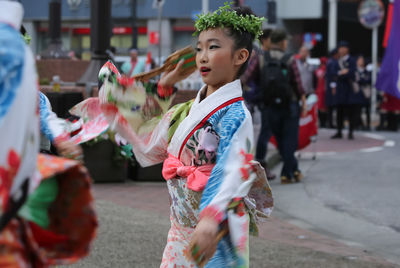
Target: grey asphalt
(352,197)
(134,238)
(349,197)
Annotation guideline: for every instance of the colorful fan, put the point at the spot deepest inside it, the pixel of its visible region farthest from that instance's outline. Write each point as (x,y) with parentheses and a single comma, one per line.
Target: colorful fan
(187,54)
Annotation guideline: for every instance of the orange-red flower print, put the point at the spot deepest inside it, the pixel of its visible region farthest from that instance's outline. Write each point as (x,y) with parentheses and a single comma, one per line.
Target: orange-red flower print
(247,166)
(125,81)
(7,175)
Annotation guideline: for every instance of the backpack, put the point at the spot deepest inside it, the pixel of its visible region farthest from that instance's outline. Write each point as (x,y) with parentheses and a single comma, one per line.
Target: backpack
(275,84)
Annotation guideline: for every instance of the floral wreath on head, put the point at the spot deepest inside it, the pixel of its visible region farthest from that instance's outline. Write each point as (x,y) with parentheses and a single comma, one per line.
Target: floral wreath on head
(226,17)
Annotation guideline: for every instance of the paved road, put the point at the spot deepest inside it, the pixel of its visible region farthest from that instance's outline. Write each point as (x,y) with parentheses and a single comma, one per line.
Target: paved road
(335,218)
(351,192)
(131,237)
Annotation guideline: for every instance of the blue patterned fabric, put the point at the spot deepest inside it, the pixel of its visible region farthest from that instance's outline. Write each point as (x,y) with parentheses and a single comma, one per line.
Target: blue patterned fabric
(44,114)
(228,121)
(224,256)
(11,66)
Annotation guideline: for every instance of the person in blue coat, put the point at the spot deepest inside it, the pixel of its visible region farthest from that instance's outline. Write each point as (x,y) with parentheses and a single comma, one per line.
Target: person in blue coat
(332,69)
(348,95)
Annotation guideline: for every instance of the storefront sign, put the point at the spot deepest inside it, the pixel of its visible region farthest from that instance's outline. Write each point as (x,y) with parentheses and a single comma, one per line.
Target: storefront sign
(154,38)
(74,4)
(371,13)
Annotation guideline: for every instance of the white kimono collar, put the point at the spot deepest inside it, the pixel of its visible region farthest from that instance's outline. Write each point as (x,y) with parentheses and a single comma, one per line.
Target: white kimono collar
(225,93)
(11,13)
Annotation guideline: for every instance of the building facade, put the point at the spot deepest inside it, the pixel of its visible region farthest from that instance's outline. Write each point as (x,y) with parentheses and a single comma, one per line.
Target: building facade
(305,20)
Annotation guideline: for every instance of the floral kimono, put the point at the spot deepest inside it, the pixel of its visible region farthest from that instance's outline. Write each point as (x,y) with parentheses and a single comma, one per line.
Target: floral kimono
(206,148)
(46,213)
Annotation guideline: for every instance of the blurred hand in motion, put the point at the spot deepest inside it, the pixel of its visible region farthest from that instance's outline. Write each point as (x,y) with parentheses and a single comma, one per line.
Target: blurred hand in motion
(69,149)
(343,71)
(204,240)
(169,78)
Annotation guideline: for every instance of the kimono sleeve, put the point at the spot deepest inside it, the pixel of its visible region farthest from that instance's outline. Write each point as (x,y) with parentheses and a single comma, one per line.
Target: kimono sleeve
(230,176)
(138,111)
(50,125)
(150,147)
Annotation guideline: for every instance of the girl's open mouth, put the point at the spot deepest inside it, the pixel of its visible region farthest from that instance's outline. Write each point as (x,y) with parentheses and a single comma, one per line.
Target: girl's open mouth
(204,71)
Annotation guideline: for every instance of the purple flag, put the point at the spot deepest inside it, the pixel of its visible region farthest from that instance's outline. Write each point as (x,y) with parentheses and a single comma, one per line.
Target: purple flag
(389,75)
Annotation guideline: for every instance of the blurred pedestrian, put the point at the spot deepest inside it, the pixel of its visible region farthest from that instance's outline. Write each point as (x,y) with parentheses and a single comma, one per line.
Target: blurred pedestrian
(283,91)
(133,65)
(306,70)
(320,90)
(348,94)
(332,69)
(254,95)
(363,79)
(390,113)
(72,55)
(150,64)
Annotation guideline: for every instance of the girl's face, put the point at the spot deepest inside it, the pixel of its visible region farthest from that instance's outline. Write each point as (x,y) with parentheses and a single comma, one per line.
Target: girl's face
(360,62)
(217,62)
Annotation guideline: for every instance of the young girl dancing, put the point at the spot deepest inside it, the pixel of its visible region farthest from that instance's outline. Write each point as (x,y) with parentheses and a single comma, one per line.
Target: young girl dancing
(206,144)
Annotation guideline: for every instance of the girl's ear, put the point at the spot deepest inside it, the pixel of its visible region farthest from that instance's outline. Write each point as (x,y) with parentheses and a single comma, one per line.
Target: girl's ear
(240,57)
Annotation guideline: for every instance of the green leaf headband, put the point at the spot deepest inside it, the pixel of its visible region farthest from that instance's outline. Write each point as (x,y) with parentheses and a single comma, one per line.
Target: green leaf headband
(226,17)
(27,38)
(24,34)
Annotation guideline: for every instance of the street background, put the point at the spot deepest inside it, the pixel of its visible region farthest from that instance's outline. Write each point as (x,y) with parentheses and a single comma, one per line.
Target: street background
(344,213)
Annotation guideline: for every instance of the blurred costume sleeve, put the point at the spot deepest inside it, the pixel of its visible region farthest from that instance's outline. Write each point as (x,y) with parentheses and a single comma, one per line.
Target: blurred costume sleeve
(50,125)
(139,112)
(46,213)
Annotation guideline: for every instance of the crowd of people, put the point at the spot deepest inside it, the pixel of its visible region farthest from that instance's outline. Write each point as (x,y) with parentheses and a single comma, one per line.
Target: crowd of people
(278,83)
(347,90)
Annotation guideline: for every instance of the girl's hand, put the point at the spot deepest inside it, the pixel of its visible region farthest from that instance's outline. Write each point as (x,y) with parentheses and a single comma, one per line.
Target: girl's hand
(69,149)
(169,78)
(204,241)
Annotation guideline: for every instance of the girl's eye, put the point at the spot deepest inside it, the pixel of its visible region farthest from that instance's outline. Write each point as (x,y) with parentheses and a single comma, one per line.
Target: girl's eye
(214,46)
(198,49)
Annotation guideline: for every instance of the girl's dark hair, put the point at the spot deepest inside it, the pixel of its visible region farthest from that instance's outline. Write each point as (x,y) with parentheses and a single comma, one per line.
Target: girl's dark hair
(242,39)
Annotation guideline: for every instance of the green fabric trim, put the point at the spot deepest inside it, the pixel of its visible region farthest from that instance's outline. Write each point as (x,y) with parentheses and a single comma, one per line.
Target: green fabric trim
(180,113)
(184,57)
(189,64)
(36,207)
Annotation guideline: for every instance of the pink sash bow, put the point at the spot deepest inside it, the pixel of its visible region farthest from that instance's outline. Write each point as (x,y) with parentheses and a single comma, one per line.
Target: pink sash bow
(197,177)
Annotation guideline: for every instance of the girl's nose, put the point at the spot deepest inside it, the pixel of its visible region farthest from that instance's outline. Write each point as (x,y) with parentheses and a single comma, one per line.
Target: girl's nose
(203,56)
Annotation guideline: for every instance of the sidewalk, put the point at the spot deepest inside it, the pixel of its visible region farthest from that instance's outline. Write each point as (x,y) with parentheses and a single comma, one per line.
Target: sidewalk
(134,223)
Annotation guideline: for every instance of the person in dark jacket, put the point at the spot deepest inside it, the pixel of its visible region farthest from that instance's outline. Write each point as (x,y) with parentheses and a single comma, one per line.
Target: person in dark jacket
(284,120)
(332,69)
(253,96)
(348,95)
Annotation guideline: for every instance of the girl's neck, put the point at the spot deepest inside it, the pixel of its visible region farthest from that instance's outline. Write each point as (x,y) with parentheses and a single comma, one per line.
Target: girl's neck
(205,93)
(209,90)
